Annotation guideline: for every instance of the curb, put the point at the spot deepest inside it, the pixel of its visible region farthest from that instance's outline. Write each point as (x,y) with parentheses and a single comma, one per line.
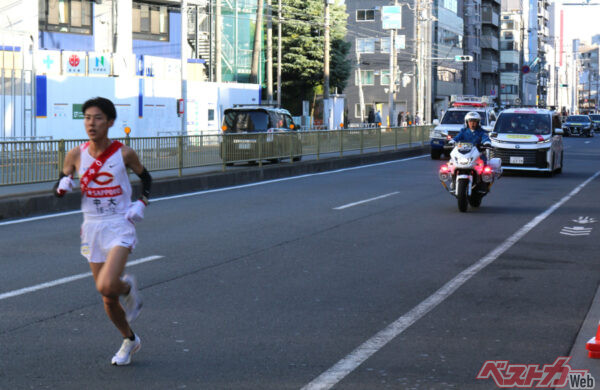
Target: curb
(36,203)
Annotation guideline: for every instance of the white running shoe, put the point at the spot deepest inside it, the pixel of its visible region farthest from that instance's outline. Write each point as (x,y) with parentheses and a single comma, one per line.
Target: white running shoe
(132,302)
(128,348)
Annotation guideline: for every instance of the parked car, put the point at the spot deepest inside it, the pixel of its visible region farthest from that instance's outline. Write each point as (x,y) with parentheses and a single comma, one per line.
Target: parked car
(252,133)
(578,125)
(528,139)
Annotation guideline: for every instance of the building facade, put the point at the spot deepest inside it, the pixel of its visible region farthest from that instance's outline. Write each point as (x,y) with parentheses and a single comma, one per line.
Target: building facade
(369,86)
(589,79)
(511,59)
(447,73)
(482,37)
(143,54)
(490,48)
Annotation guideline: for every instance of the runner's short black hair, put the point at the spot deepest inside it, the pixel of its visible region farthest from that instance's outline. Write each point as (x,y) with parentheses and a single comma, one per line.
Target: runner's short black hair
(105,105)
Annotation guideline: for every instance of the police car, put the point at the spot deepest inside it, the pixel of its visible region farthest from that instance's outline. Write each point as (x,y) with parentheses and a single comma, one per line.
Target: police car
(454,120)
(528,139)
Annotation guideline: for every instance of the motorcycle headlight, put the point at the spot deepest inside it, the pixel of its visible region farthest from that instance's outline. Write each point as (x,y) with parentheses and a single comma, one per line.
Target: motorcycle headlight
(464,160)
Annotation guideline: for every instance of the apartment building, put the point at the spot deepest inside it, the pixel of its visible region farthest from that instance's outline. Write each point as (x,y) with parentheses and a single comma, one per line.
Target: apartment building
(589,79)
(511,59)
(449,33)
(482,37)
(369,85)
(535,41)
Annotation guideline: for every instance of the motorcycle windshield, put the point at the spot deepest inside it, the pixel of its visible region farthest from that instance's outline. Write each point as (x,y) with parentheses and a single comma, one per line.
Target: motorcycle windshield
(464,147)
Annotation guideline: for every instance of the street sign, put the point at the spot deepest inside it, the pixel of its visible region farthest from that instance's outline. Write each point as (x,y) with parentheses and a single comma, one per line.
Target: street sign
(517,101)
(525,69)
(463,58)
(391,17)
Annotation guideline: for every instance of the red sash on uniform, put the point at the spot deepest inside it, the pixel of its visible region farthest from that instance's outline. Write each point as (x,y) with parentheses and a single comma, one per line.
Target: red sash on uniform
(94,169)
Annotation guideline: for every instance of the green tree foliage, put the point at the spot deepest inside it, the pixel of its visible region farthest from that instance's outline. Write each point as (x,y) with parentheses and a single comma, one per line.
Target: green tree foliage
(302,48)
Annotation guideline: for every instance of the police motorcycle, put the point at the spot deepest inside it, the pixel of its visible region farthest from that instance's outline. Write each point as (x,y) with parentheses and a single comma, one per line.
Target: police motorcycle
(466,176)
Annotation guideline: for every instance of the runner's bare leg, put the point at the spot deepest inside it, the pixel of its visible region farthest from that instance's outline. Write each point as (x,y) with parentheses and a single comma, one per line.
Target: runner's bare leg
(108,282)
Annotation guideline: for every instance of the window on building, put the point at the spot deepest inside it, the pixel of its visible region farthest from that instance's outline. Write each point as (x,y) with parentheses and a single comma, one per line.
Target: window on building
(508,25)
(365,15)
(508,45)
(449,38)
(385,45)
(365,45)
(510,90)
(385,77)
(451,5)
(449,74)
(368,107)
(68,16)
(150,22)
(368,77)
(509,67)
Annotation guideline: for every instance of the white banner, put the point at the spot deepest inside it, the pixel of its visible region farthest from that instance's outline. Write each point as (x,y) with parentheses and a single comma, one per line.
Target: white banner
(47,62)
(98,63)
(73,62)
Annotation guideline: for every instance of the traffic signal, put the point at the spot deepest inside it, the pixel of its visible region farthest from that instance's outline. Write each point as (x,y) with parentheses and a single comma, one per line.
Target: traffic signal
(463,58)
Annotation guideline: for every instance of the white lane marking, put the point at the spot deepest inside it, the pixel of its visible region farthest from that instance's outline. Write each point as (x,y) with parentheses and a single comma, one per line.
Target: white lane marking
(336,373)
(260,183)
(40,217)
(68,279)
(365,201)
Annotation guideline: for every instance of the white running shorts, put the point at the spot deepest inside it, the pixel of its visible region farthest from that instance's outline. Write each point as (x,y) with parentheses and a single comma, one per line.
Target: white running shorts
(100,235)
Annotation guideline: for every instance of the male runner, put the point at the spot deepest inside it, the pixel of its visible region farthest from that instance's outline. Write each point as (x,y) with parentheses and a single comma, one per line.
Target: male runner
(108,230)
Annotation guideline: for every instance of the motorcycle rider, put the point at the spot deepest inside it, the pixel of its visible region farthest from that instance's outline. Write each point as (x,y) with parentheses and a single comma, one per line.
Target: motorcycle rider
(473,133)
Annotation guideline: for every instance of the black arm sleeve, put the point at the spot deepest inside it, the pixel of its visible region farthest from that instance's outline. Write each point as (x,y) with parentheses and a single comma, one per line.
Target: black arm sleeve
(55,186)
(146,182)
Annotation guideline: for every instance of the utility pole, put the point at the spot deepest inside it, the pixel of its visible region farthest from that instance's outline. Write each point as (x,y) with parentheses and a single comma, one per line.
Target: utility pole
(391,108)
(361,96)
(574,81)
(421,37)
(218,32)
(428,91)
(522,59)
(279,53)
(326,108)
(269,52)
(417,70)
(183,63)
(256,49)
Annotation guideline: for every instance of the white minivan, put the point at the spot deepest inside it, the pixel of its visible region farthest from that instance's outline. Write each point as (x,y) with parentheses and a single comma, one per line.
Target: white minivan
(528,139)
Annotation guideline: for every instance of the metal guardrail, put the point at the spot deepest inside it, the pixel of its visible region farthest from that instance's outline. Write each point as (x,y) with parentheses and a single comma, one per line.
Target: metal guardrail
(26,162)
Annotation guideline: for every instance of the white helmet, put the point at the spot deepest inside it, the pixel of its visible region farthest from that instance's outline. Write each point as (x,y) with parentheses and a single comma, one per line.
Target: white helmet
(473,115)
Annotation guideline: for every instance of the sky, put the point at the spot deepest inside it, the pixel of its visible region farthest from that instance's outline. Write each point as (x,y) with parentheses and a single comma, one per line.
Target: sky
(581,22)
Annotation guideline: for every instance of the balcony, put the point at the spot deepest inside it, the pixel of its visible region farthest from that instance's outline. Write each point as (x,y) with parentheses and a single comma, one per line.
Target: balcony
(488,16)
(489,66)
(489,42)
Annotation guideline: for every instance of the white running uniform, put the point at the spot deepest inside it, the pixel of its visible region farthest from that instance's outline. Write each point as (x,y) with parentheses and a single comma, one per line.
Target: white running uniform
(104,204)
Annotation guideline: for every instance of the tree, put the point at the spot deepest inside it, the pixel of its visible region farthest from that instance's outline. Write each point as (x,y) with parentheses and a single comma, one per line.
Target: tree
(302,46)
